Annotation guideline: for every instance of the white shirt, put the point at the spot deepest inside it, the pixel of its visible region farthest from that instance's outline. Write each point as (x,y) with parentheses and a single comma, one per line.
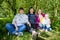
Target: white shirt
(46,22)
(20,19)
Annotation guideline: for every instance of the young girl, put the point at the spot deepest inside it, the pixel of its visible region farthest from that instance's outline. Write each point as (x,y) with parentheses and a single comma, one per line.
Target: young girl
(39,18)
(46,23)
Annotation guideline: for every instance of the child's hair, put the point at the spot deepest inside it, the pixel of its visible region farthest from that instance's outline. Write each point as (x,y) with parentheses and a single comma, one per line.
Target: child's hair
(21,8)
(43,14)
(38,10)
(29,10)
(47,15)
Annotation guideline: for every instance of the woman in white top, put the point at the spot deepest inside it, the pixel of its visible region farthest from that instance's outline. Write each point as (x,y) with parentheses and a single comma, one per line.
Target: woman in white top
(46,23)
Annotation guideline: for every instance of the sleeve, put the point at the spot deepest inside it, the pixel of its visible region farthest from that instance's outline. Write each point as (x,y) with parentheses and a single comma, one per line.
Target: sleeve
(14,19)
(43,14)
(49,21)
(26,18)
(37,20)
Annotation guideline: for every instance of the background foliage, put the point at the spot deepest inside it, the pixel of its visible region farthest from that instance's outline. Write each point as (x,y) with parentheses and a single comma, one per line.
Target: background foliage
(8,8)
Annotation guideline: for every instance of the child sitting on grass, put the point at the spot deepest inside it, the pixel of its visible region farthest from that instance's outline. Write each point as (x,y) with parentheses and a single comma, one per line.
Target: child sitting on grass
(46,23)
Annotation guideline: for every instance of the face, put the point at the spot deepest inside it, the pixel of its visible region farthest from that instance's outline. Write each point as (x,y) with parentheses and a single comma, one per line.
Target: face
(31,11)
(46,16)
(21,11)
(39,11)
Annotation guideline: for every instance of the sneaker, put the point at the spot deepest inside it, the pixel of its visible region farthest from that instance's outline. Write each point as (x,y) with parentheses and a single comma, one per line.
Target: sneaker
(34,35)
(38,34)
(8,33)
(50,29)
(16,33)
(20,34)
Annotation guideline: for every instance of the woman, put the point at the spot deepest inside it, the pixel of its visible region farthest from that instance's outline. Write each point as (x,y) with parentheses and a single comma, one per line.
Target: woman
(39,18)
(32,17)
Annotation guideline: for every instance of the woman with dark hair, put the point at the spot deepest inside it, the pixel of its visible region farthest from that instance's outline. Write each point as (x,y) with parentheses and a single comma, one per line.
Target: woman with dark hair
(32,17)
(32,20)
(32,10)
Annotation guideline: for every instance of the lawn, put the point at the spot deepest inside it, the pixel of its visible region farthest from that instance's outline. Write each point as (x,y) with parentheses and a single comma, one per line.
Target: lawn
(53,35)
(8,8)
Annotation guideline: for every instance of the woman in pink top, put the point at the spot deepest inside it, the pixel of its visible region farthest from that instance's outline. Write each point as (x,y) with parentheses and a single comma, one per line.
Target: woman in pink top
(39,18)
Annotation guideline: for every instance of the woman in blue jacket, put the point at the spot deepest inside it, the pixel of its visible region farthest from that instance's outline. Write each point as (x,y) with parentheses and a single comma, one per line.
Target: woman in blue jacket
(32,17)
(32,21)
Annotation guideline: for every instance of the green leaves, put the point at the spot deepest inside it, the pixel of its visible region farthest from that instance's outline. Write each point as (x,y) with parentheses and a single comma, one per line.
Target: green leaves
(10,7)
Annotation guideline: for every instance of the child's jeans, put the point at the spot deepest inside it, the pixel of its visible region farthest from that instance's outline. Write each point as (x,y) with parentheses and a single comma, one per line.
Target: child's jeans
(45,27)
(11,28)
(48,28)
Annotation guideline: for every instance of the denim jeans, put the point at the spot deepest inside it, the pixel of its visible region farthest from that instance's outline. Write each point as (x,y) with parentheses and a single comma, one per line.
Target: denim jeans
(44,27)
(11,28)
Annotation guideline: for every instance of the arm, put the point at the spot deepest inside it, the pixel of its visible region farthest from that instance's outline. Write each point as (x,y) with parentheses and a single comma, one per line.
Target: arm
(27,21)
(37,20)
(15,26)
(49,21)
(14,22)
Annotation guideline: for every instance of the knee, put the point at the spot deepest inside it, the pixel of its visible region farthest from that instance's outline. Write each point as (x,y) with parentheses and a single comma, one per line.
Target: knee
(49,29)
(24,26)
(7,25)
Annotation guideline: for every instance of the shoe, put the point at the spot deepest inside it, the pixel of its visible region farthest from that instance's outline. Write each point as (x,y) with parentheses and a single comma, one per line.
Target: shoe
(20,34)
(38,34)
(34,35)
(16,33)
(8,33)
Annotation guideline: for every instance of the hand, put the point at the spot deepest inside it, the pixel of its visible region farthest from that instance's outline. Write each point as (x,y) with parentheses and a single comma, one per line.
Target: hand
(16,28)
(30,25)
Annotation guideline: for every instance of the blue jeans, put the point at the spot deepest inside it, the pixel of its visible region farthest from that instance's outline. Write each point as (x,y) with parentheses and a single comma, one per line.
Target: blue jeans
(45,27)
(48,28)
(11,28)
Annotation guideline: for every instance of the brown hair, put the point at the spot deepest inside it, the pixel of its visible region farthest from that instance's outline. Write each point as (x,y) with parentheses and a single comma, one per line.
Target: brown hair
(21,8)
(37,11)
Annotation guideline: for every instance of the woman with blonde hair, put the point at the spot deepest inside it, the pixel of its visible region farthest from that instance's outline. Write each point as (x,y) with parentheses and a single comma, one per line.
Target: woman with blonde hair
(39,18)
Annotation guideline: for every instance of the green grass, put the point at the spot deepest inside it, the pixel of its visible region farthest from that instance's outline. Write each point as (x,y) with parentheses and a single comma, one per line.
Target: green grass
(27,36)
(4,36)
(53,35)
